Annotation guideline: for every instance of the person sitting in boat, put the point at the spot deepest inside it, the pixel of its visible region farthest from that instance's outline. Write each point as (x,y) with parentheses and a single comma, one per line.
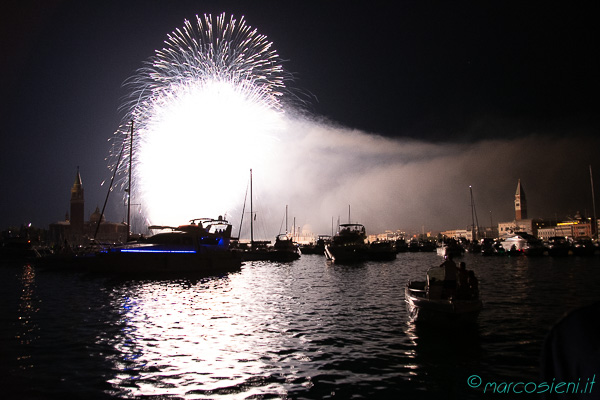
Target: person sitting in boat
(462,288)
(450,271)
(473,285)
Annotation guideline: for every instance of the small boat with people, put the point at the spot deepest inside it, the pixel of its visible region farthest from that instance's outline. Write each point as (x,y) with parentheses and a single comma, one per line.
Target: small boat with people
(348,245)
(447,294)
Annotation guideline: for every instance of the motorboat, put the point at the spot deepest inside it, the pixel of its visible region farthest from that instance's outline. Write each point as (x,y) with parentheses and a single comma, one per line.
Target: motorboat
(584,247)
(558,246)
(348,245)
(201,247)
(381,251)
(429,301)
(317,247)
(450,247)
(523,243)
(284,249)
(401,245)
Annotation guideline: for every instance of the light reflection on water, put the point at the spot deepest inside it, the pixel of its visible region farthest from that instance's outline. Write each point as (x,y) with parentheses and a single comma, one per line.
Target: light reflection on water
(307,329)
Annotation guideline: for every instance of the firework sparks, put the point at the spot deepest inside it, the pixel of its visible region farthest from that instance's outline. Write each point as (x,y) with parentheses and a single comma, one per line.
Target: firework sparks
(206,109)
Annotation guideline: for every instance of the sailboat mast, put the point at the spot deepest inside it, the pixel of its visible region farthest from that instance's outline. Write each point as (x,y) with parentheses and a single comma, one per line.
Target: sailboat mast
(129,184)
(595,227)
(251,215)
(475,230)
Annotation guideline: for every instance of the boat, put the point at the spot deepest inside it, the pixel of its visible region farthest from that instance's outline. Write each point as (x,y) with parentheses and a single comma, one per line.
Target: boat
(558,246)
(584,247)
(514,244)
(429,302)
(523,243)
(381,250)
(317,247)
(401,245)
(200,247)
(284,249)
(414,245)
(450,247)
(18,249)
(427,246)
(348,245)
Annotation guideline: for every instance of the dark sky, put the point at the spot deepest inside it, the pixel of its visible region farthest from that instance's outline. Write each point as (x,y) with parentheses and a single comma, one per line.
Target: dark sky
(446,71)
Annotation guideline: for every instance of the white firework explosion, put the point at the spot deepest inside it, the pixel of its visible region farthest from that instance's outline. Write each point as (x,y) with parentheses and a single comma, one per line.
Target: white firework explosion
(205,108)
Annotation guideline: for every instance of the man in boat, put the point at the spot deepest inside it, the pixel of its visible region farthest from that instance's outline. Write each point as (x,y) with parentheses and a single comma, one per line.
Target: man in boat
(450,272)
(473,285)
(462,288)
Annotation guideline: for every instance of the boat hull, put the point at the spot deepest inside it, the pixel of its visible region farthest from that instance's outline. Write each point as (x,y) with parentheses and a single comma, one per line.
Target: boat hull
(346,254)
(422,309)
(165,263)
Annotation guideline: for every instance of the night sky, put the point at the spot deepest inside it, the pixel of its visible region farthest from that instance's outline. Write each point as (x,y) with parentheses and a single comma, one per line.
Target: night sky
(432,73)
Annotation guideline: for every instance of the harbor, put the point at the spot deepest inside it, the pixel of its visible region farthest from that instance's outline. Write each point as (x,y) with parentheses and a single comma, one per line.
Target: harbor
(316,200)
(307,329)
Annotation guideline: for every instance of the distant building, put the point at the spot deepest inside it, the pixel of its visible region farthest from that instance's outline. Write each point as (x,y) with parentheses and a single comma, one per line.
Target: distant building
(75,231)
(520,203)
(575,229)
(457,234)
(521,222)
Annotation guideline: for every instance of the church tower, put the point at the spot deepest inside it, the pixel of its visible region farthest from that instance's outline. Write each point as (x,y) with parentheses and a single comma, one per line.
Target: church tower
(520,203)
(77,205)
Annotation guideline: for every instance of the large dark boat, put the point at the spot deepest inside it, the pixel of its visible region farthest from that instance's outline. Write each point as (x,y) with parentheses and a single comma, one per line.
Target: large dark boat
(348,245)
(381,251)
(558,246)
(200,247)
(429,301)
(584,247)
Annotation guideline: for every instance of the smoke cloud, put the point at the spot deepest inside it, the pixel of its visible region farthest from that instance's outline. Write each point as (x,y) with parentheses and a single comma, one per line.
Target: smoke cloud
(320,169)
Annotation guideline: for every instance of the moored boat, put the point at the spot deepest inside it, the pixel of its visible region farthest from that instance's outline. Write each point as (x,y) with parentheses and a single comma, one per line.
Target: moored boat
(201,247)
(317,247)
(558,246)
(348,245)
(450,247)
(584,247)
(381,251)
(285,249)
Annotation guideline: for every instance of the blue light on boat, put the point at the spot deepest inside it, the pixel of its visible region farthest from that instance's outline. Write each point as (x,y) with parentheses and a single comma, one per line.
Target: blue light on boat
(156,251)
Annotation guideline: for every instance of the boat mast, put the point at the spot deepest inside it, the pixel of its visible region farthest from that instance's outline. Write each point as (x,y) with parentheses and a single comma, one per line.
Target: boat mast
(595,227)
(251,215)
(475,228)
(349,221)
(129,184)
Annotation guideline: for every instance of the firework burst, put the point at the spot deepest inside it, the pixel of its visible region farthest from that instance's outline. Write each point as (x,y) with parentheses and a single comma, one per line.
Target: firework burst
(206,107)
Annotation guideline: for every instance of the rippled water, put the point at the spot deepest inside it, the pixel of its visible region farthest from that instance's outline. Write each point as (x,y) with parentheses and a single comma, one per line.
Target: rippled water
(306,329)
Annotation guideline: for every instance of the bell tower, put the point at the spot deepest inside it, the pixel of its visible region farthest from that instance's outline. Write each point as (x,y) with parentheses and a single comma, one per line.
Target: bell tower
(77,205)
(520,203)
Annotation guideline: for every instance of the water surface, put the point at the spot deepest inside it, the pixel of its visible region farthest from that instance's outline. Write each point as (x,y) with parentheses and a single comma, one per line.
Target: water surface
(307,329)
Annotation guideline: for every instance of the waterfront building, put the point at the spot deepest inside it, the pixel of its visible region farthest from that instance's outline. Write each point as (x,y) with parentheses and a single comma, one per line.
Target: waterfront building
(75,231)
(457,234)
